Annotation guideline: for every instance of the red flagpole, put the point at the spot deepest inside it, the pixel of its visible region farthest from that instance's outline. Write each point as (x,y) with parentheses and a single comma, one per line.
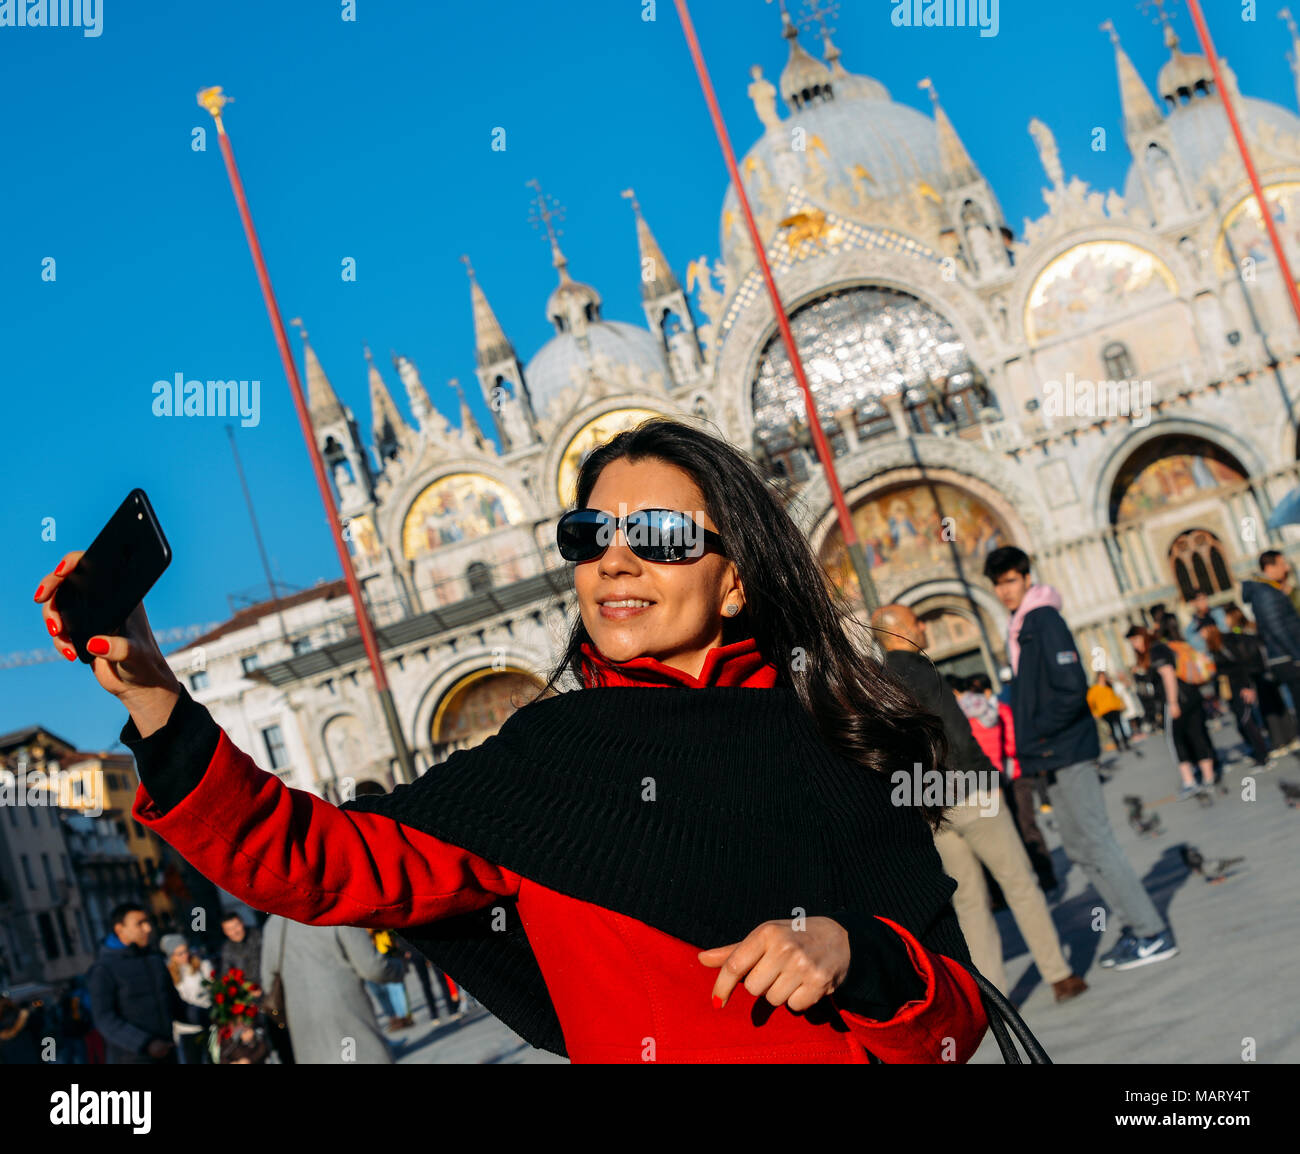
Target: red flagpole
(1207,46)
(824,453)
(213,100)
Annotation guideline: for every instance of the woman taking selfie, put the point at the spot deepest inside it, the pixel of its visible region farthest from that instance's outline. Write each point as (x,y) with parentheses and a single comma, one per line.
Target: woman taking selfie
(694,857)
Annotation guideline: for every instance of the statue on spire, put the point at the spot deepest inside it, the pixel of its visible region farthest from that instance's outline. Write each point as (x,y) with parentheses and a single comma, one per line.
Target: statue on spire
(1048,153)
(763,93)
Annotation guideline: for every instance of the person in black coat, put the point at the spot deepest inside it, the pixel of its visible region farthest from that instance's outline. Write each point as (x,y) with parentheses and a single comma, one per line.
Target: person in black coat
(1238,657)
(1276,621)
(134,999)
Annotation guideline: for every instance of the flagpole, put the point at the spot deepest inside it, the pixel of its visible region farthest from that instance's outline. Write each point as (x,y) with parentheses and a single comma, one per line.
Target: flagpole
(213,101)
(827,458)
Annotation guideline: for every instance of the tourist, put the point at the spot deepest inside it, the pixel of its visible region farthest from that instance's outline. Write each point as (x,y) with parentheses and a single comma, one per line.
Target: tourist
(1056,738)
(550,821)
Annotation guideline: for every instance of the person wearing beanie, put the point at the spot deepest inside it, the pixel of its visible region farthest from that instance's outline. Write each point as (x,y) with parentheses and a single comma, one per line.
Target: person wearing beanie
(188,973)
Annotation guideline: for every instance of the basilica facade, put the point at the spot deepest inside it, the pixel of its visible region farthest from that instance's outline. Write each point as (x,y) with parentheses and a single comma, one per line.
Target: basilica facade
(1110,388)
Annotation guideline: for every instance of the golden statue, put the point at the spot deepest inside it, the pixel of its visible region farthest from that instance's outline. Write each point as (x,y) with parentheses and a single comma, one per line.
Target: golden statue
(214,100)
(807,225)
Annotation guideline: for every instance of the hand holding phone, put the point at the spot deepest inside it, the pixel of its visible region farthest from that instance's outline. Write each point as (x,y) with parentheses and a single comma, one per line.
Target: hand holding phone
(93,606)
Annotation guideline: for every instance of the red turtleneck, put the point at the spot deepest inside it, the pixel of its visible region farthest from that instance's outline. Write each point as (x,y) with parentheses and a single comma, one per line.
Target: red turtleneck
(623,990)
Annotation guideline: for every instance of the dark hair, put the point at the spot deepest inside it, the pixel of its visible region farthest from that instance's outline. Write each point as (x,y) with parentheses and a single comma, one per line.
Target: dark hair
(369,789)
(960,684)
(1168,629)
(1195,594)
(861,710)
(118,914)
(231,916)
(1267,558)
(1144,658)
(1006,560)
(978,683)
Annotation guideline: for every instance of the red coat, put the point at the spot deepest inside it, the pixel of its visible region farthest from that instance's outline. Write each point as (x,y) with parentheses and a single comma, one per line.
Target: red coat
(623,991)
(999,742)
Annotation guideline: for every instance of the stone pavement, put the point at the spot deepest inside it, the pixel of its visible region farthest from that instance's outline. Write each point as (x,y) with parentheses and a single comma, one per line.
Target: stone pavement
(1239,939)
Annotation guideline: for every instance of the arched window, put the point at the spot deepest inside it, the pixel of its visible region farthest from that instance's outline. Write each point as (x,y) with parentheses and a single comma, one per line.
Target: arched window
(1199,564)
(1119,364)
(479,577)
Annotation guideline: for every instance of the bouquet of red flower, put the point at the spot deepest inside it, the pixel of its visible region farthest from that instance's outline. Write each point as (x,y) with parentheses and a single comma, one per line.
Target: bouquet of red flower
(234,1002)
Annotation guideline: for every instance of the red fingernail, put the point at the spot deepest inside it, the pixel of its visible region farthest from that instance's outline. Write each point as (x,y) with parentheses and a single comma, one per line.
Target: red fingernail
(52,626)
(70,654)
(58,568)
(717,1002)
(39,590)
(98,646)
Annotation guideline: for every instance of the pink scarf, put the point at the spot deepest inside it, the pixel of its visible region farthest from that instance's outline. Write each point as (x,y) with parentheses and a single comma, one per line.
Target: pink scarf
(1035,598)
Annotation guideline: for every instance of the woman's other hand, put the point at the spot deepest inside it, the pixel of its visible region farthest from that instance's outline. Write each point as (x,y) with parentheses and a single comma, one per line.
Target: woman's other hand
(130,666)
(795,968)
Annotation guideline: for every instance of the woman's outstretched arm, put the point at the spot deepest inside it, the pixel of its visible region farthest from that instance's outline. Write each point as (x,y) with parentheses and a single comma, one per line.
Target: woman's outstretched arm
(279,849)
(287,851)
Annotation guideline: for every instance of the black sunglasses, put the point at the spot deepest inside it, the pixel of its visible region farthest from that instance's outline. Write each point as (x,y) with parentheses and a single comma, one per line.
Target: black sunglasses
(660,535)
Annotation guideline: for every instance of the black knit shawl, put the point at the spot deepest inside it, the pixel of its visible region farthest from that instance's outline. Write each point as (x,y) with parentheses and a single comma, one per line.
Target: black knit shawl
(753,817)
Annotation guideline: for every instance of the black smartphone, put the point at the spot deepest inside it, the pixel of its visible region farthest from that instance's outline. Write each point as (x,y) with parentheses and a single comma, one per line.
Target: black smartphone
(113,575)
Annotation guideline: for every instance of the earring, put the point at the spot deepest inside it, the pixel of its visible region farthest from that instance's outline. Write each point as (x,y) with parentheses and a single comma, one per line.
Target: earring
(732,610)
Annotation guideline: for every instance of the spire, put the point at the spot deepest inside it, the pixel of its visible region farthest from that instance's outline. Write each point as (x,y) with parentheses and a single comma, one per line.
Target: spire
(657,279)
(322,402)
(386,421)
(805,80)
(1294,56)
(490,341)
(1183,76)
(417,396)
(1140,110)
(547,213)
(469,427)
(956,161)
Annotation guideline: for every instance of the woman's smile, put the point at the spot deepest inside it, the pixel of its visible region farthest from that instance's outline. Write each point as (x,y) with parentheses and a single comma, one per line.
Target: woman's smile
(620,608)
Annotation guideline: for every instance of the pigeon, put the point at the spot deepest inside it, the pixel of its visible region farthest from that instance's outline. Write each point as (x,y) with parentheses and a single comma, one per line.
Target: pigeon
(1143,825)
(1290,792)
(1212,872)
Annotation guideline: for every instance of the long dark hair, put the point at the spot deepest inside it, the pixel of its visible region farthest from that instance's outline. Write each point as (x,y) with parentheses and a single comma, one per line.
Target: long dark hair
(863,713)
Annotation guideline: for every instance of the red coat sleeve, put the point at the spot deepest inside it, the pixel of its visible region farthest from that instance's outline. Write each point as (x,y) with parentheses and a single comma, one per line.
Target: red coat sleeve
(946,1025)
(288,852)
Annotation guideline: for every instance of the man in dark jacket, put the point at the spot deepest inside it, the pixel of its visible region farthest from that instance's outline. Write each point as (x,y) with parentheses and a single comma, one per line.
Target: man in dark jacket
(1056,737)
(981,832)
(134,999)
(1276,621)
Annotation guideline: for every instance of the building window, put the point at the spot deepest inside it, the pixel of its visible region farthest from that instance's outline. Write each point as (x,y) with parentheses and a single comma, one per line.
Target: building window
(48,940)
(139,829)
(199,680)
(275,747)
(479,576)
(49,876)
(34,813)
(83,929)
(249,663)
(67,868)
(13,815)
(27,872)
(1119,364)
(1199,564)
(300,645)
(68,947)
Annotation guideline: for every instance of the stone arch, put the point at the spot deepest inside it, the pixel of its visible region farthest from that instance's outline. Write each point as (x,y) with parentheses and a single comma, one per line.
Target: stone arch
(478,661)
(910,522)
(1109,468)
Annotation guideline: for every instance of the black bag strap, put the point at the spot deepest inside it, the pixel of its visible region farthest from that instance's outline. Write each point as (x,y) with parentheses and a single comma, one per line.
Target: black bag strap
(1008,1026)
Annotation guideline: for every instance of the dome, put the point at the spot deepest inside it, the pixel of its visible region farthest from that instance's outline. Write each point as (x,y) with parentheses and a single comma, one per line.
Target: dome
(1200,135)
(551,371)
(895,144)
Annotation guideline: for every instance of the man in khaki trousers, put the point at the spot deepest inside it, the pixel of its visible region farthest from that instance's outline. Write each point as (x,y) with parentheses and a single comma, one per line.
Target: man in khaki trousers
(979,829)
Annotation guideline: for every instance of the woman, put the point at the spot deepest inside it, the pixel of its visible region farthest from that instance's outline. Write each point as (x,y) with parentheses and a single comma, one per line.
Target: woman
(1106,706)
(1277,718)
(189,972)
(1242,664)
(1184,711)
(705,825)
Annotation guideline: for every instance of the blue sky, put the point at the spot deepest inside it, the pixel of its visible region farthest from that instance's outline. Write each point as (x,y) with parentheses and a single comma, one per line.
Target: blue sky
(372,140)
